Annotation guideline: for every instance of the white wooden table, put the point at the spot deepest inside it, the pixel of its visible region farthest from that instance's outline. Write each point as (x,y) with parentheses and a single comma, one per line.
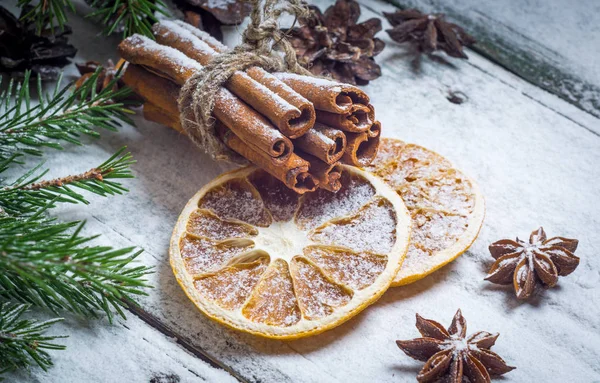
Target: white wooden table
(535,156)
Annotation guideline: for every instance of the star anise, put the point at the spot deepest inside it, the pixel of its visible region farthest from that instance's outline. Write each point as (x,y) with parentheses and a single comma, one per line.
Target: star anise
(22,49)
(334,44)
(525,265)
(210,15)
(449,353)
(428,32)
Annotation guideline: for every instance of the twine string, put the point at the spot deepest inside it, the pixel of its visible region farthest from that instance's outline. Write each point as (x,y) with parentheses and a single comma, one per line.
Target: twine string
(260,40)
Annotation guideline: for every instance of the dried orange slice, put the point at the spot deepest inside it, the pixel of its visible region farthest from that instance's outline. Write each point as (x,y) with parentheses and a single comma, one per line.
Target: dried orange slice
(446,206)
(254,255)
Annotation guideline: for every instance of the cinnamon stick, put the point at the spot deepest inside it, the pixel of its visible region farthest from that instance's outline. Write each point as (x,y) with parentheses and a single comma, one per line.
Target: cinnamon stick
(299,125)
(323,142)
(337,101)
(293,118)
(360,150)
(326,95)
(159,115)
(374,130)
(163,61)
(328,175)
(152,88)
(358,120)
(203,35)
(293,173)
(246,123)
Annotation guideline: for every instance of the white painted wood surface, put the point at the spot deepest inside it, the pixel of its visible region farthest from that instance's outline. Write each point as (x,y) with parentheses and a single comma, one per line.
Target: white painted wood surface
(536,158)
(552,44)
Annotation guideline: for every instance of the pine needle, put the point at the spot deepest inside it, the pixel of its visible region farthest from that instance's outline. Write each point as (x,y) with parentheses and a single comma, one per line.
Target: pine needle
(60,117)
(23,341)
(128,16)
(44,262)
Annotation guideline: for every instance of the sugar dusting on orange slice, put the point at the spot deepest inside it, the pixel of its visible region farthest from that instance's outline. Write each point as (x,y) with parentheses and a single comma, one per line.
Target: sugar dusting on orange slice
(446,207)
(257,257)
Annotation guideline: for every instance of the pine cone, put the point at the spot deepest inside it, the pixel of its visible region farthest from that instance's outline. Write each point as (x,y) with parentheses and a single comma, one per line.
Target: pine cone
(334,44)
(22,49)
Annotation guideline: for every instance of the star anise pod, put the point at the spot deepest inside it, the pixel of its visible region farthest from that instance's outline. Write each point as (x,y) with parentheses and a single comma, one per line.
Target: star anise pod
(449,353)
(22,49)
(525,265)
(210,15)
(428,32)
(334,44)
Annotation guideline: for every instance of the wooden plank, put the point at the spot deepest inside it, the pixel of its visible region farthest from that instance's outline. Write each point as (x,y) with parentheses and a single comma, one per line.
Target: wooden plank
(534,156)
(554,46)
(125,351)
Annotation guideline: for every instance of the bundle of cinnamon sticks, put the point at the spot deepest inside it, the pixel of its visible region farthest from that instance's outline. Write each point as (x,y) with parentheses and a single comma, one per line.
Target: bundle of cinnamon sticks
(298,128)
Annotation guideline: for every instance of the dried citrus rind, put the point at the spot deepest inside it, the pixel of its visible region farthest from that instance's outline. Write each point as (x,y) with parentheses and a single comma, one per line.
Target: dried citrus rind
(259,258)
(446,206)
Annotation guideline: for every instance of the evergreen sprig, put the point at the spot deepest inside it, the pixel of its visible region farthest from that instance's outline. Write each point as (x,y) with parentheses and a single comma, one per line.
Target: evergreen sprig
(60,116)
(44,262)
(22,341)
(28,193)
(126,16)
(46,13)
(51,264)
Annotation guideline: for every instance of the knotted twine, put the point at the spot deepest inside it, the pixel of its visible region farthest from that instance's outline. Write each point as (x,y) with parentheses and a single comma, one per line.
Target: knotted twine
(259,41)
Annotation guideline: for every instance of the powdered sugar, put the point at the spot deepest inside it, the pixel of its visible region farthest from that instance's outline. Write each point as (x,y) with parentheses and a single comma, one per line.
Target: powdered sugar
(282,240)
(202,35)
(317,81)
(273,300)
(412,163)
(321,206)
(388,151)
(186,35)
(317,297)
(371,229)
(230,287)
(434,230)
(356,270)
(281,201)
(202,255)
(228,106)
(235,200)
(450,192)
(205,224)
(182,62)
(319,131)
(280,102)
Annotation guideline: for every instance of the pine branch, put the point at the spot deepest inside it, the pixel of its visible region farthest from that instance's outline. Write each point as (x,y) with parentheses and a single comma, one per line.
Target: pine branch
(22,341)
(52,265)
(62,116)
(27,194)
(44,262)
(46,13)
(128,16)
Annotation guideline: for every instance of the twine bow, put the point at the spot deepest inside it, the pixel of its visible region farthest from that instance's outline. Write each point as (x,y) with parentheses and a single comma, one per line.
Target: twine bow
(260,39)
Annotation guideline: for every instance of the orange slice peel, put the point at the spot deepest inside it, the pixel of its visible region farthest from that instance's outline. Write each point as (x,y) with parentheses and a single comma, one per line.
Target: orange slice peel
(446,206)
(255,256)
